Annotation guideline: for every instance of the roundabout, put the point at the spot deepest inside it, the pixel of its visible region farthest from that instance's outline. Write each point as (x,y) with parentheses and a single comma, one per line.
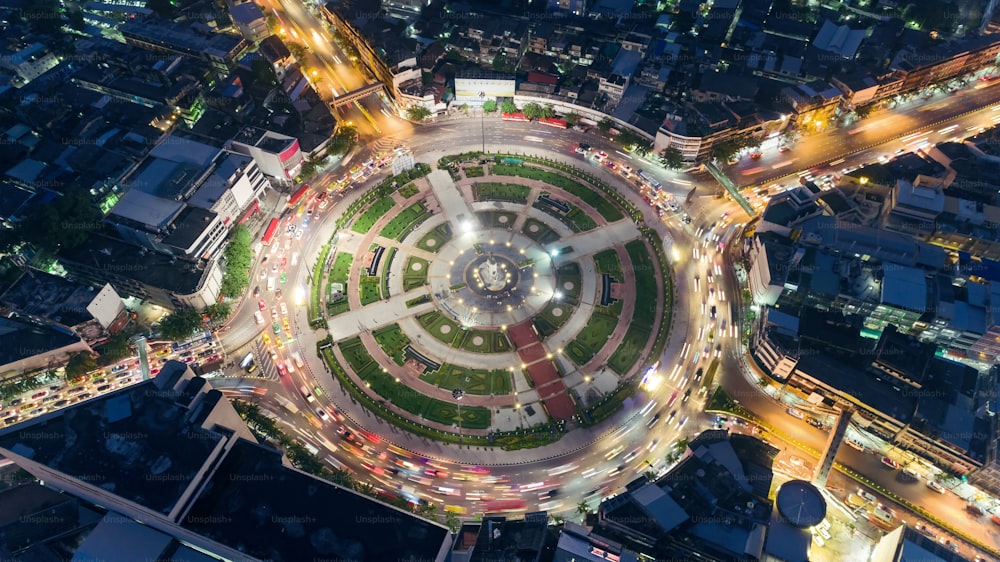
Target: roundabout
(501,305)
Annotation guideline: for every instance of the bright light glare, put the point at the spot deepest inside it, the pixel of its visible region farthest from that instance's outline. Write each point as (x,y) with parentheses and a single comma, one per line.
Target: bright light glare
(467,226)
(300,296)
(554,252)
(676,255)
(557,295)
(651,381)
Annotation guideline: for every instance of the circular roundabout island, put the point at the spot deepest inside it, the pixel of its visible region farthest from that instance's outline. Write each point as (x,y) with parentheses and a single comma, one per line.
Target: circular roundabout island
(492,300)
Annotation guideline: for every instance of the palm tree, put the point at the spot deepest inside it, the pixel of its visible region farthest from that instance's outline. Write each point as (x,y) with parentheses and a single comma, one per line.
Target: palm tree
(583,509)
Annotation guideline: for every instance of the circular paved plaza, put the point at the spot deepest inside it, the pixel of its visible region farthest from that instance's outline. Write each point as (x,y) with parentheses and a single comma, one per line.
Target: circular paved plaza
(497,304)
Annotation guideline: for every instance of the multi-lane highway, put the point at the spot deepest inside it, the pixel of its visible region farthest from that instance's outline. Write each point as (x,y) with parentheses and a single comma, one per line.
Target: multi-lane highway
(922,122)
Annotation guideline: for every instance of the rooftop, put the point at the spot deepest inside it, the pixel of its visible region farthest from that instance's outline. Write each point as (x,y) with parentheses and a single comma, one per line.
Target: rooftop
(182,37)
(255,503)
(51,297)
(171,273)
(138,442)
(32,339)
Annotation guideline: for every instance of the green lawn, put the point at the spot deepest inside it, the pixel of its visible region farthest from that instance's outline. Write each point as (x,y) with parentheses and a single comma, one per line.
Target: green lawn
(415,273)
(472,381)
(439,326)
(539,232)
(369,290)
(402,223)
(367,220)
(433,240)
(408,190)
(628,351)
(482,341)
(569,282)
(393,341)
(492,191)
(646,284)
(580,221)
(385,385)
(608,262)
(497,219)
(339,307)
(605,208)
(592,338)
(474,172)
(341,268)
(552,317)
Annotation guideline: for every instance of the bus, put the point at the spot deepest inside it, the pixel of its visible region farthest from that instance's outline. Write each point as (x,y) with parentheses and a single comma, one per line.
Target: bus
(706,382)
(557,123)
(501,506)
(650,180)
(272,229)
(286,403)
(514,117)
(298,195)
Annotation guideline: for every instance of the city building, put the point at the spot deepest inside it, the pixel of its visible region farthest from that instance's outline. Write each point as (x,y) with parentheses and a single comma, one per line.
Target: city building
(278,156)
(91,314)
(581,544)
(384,48)
(499,538)
(250,21)
(29,63)
(36,345)
(219,49)
(169,469)
(185,197)
(474,89)
(713,505)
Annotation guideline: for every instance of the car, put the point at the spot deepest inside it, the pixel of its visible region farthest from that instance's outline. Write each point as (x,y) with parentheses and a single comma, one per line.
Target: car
(783,148)
(279,343)
(699,373)
(282,371)
(258,317)
(284,261)
(681,423)
(283,277)
(867,496)
(910,473)
(103,387)
(600,156)
(298,235)
(687,394)
(274,312)
(610,164)
(671,416)
(262,304)
(934,485)
(323,415)
(974,510)
(277,328)
(890,463)
(284,308)
(277,294)
(795,413)
(284,324)
(854,444)
(756,155)
(38,395)
(256,292)
(653,421)
(274,268)
(266,339)
(995,519)
(714,311)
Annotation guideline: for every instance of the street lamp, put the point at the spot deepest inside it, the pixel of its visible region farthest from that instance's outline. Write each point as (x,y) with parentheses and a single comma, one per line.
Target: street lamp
(457,394)
(482,116)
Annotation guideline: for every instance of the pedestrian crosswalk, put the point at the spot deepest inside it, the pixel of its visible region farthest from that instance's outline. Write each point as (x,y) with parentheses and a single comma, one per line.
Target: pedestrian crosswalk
(386,144)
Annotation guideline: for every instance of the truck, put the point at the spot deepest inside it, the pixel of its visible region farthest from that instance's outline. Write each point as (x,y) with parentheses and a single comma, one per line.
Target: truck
(286,403)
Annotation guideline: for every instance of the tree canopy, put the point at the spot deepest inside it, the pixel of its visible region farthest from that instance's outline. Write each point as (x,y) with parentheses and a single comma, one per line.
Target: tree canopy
(66,222)
(238,257)
(180,324)
(672,158)
(80,364)
(417,113)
